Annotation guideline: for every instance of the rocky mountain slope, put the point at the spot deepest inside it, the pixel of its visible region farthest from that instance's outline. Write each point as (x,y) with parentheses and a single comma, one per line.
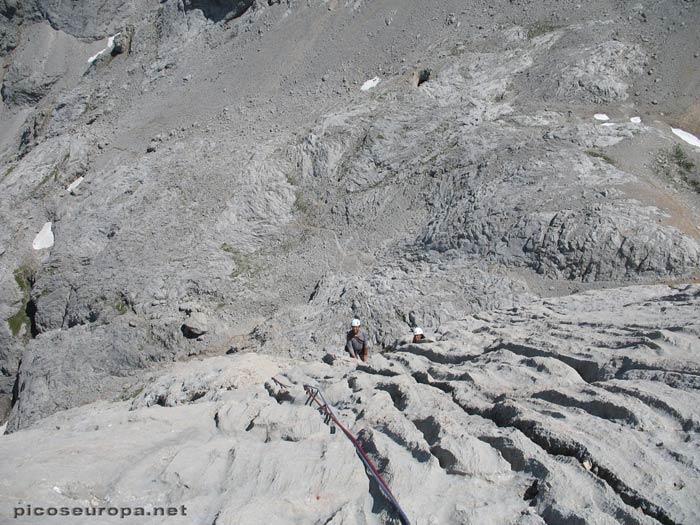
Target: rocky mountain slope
(197,196)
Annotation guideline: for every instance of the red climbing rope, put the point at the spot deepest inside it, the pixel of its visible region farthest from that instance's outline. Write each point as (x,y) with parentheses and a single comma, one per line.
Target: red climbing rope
(315,396)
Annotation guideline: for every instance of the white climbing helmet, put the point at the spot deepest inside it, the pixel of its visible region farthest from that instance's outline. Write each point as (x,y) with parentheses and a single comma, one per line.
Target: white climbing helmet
(417,331)
(355,322)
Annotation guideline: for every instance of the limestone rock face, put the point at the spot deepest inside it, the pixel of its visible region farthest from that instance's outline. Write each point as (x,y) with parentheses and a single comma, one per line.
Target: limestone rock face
(560,410)
(283,213)
(227,183)
(37,65)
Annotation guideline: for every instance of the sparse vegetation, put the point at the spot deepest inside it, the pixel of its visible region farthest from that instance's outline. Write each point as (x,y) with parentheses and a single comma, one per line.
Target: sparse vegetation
(301,203)
(55,172)
(602,156)
(292,180)
(121,307)
(228,248)
(18,320)
(245,263)
(680,157)
(7,172)
(127,396)
(289,244)
(676,165)
(25,276)
(46,179)
(540,28)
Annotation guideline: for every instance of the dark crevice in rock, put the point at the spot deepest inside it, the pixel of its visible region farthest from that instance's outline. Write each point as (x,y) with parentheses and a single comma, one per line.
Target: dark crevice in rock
(449,375)
(196,395)
(668,376)
(506,416)
(424,76)
(31,315)
(65,322)
(377,372)
(380,504)
(251,423)
(189,333)
(398,397)
(679,297)
(597,408)
(218,10)
(422,456)
(8,9)
(590,371)
(424,379)
(687,424)
(430,428)
(437,357)
(331,518)
(446,459)
(532,491)
(15,386)
(632,498)
(515,456)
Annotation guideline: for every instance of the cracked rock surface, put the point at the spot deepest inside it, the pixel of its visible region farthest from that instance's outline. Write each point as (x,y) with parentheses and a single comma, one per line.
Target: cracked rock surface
(227,183)
(493,423)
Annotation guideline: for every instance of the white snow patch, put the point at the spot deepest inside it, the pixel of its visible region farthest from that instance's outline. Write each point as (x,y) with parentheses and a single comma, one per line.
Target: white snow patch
(58,490)
(608,124)
(74,184)
(687,137)
(372,82)
(636,120)
(601,116)
(43,239)
(2,429)
(110,45)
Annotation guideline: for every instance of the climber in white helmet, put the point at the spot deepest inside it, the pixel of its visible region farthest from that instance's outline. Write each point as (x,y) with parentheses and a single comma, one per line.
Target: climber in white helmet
(418,334)
(357,344)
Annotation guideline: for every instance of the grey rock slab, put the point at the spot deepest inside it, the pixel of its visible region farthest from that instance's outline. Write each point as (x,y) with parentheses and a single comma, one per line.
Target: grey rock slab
(49,57)
(194,380)
(498,436)
(95,367)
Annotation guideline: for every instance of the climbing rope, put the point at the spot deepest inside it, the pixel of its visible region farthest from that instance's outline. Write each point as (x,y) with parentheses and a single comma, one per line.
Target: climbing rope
(315,396)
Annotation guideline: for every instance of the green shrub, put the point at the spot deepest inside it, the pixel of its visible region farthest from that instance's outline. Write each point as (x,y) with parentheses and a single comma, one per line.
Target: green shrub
(680,157)
(598,155)
(121,307)
(18,320)
(24,277)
